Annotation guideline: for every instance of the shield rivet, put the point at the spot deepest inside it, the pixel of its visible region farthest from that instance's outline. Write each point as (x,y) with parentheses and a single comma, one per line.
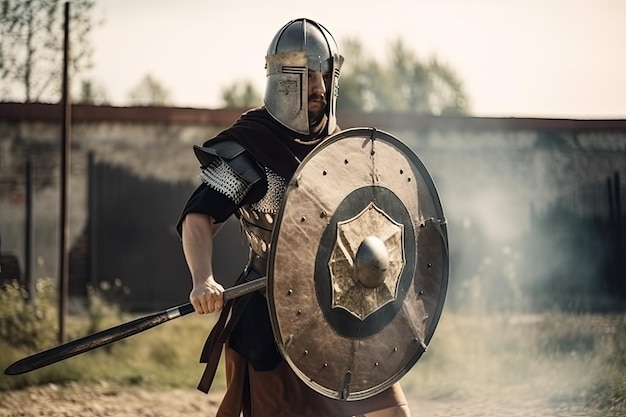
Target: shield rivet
(395,349)
(324,173)
(322,214)
(299,312)
(430,265)
(408,179)
(421,292)
(306,352)
(325,365)
(289,292)
(401,171)
(375,363)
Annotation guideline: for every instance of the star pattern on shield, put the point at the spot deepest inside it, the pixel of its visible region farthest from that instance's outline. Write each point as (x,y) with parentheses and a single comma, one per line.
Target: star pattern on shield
(347,292)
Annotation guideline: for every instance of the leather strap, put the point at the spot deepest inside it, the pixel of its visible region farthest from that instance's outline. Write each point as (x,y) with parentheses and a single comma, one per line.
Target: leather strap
(213,347)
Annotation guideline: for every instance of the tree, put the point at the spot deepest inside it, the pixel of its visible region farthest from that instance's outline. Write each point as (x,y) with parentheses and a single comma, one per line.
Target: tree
(241,94)
(448,96)
(91,93)
(31,46)
(403,84)
(149,92)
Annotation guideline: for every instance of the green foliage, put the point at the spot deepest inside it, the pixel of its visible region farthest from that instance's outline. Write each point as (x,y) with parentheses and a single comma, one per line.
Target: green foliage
(567,334)
(241,95)
(31,46)
(149,92)
(26,325)
(403,84)
(91,93)
(100,311)
(553,357)
(166,355)
(609,390)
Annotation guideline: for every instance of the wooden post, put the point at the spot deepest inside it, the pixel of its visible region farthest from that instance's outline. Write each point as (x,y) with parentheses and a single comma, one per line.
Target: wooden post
(29,282)
(64,179)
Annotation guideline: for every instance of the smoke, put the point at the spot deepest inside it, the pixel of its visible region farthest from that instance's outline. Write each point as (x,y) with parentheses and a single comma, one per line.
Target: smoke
(527,227)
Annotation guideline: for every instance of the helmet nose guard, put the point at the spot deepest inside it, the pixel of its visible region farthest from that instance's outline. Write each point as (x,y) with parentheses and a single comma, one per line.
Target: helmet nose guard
(299,46)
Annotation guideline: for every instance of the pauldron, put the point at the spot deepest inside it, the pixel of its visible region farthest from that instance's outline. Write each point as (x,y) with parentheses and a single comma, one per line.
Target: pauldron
(223,179)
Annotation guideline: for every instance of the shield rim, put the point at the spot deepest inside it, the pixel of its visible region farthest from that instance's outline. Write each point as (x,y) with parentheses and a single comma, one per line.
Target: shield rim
(373,133)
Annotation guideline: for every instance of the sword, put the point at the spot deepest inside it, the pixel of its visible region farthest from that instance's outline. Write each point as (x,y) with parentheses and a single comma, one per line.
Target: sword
(119,332)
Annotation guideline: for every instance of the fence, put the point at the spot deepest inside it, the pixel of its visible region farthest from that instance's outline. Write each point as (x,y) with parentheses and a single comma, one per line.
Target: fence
(531,214)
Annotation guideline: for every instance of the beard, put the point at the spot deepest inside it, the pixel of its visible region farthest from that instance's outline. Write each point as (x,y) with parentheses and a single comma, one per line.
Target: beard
(317,109)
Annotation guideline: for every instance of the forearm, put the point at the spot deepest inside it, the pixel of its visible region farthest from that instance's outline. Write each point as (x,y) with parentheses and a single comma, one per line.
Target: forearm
(197,239)
(198,231)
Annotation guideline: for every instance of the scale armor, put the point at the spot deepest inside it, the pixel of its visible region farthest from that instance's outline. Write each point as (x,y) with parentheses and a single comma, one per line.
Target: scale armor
(257,219)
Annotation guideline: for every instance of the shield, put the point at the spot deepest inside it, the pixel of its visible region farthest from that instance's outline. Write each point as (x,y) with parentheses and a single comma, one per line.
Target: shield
(358,265)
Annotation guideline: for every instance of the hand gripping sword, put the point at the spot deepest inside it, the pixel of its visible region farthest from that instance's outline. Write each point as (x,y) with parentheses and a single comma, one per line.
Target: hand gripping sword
(119,332)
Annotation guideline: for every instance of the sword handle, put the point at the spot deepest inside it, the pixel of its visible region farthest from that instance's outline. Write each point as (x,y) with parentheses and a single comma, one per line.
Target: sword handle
(119,332)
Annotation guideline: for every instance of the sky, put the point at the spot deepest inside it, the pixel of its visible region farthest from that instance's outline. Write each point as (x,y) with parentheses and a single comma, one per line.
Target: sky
(516,58)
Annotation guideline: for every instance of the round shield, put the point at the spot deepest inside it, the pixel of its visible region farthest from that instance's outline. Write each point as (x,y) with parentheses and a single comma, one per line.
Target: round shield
(358,265)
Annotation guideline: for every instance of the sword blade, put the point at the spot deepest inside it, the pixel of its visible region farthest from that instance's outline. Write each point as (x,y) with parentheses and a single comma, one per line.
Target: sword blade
(119,332)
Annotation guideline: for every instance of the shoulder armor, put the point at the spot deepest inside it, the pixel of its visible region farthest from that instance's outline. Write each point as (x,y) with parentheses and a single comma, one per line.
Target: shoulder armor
(234,155)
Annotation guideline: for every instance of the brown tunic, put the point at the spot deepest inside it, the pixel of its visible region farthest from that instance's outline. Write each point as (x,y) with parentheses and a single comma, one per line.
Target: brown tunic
(280,393)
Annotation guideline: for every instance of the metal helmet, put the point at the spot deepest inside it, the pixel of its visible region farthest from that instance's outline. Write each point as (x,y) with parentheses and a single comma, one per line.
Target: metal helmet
(300,45)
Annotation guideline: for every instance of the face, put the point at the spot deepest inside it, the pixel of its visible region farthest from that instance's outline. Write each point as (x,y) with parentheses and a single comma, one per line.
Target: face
(319,84)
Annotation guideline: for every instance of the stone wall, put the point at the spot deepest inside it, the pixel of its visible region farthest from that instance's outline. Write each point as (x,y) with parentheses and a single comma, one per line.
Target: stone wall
(496,177)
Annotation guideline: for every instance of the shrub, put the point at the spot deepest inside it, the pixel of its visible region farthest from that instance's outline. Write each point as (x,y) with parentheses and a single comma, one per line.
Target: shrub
(25,323)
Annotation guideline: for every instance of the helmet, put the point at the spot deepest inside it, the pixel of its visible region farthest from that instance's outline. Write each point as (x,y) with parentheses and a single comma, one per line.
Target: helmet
(300,45)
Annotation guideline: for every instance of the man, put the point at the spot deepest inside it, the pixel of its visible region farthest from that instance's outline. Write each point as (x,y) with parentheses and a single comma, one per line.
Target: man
(244,172)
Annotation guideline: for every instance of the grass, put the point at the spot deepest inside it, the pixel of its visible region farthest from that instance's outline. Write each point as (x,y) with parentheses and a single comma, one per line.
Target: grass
(166,355)
(562,358)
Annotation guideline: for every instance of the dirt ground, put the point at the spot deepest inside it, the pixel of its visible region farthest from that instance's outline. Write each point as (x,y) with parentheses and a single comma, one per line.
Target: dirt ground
(104,400)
